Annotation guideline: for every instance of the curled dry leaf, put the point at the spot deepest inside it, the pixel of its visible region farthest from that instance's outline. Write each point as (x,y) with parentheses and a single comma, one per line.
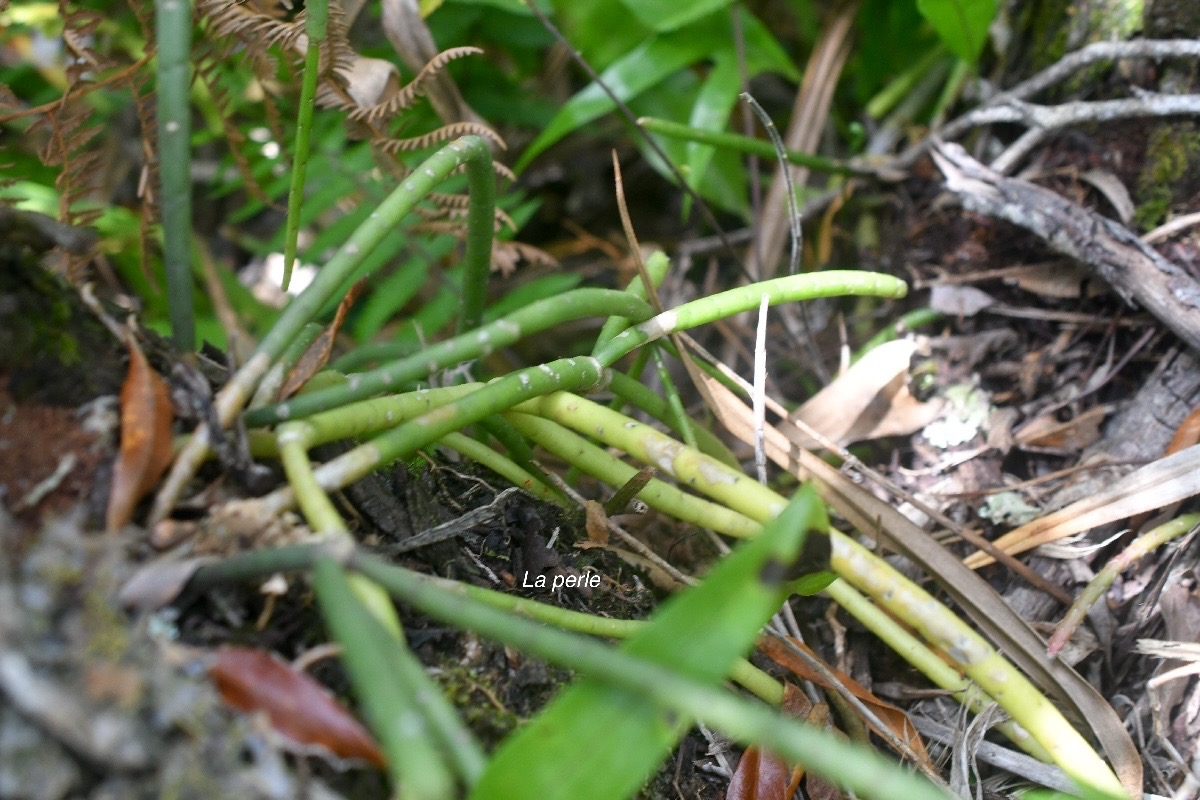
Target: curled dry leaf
(895,719)
(299,708)
(146,419)
(158,583)
(868,401)
(317,354)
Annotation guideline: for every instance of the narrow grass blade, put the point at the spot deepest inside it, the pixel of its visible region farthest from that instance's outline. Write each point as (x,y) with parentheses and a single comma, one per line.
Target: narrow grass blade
(601,741)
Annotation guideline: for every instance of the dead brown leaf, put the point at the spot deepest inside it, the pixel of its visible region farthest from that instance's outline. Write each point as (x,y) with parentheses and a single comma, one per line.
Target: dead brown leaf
(1047,433)
(317,354)
(896,720)
(597,524)
(868,401)
(146,419)
(299,708)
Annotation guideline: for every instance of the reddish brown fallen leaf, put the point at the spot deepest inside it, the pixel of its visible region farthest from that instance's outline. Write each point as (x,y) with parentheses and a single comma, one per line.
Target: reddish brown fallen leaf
(299,708)
(1187,434)
(761,775)
(146,419)
(895,719)
(317,354)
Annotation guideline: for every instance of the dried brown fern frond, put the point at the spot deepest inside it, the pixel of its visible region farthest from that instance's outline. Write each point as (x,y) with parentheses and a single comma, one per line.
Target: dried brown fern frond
(207,60)
(262,26)
(256,25)
(506,255)
(404,98)
(453,208)
(439,136)
(150,211)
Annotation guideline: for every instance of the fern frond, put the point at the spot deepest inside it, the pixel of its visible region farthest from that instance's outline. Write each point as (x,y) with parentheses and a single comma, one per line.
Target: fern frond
(207,61)
(439,136)
(405,97)
(506,255)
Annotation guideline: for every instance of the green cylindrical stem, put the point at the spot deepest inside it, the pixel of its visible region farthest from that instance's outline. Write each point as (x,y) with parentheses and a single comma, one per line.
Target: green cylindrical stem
(748,145)
(369,417)
(316,20)
(405,439)
(504,467)
(976,658)
(868,774)
(413,760)
(746,298)
(912,650)
(173,34)
(268,390)
(661,495)
(1097,586)
(657,266)
(470,150)
(477,261)
(937,624)
(729,486)
(535,317)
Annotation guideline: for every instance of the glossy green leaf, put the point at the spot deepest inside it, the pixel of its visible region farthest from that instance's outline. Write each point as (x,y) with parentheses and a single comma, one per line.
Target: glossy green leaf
(388,296)
(667,15)
(603,32)
(711,113)
(658,58)
(962,24)
(723,183)
(646,65)
(599,741)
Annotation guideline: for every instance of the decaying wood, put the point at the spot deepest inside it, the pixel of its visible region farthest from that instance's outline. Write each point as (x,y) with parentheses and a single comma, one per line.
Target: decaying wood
(1135,270)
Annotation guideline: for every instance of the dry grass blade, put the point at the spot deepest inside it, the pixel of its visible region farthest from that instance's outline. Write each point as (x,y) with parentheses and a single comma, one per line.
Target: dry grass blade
(1161,483)
(809,114)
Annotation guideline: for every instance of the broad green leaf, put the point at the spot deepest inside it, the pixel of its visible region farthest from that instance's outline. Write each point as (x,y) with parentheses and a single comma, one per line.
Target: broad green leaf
(962,24)
(711,113)
(724,180)
(599,741)
(646,65)
(603,31)
(667,15)
(656,59)
(388,296)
